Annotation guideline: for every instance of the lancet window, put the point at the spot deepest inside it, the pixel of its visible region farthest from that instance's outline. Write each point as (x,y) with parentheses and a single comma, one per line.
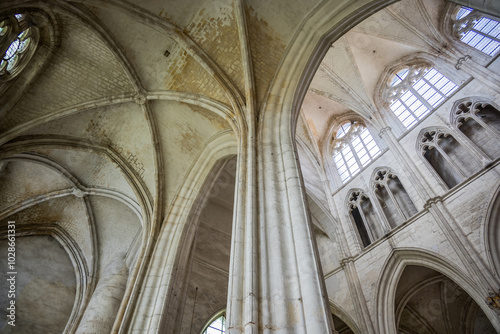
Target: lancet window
(477,30)
(479,120)
(364,217)
(392,197)
(354,148)
(415,90)
(448,158)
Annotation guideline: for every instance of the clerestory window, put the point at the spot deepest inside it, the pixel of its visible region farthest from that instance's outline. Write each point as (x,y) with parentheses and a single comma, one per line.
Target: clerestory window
(18,41)
(415,91)
(476,30)
(354,148)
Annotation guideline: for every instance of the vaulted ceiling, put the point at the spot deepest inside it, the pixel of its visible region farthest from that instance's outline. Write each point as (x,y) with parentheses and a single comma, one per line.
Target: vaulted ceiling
(108,124)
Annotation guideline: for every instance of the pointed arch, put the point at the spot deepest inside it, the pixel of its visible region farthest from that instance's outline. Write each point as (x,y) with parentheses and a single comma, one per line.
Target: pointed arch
(446,156)
(339,312)
(162,276)
(363,216)
(478,119)
(412,87)
(85,278)
(492,232)
(392,196)
(393,269)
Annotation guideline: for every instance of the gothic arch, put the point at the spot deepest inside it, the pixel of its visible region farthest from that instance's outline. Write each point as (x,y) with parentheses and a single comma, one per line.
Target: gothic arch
(339,121)
(85,281)
(481,132)
(391,273)
(339,312)
(492,232)
(450,164)
(402,207)
(415,59)
(364,217)
(175,302)
(221,146)
(448,33)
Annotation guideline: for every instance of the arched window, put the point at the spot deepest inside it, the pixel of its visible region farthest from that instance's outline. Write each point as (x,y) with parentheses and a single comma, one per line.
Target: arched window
(416,90)
(364,217)
(450,160)
(18,42)
(479,121)
(475,29)
(354,148)
(393,198)
(217,325)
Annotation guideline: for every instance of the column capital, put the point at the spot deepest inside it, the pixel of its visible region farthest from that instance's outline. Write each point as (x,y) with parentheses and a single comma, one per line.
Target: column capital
(384,130)
(346,261)
(461,60)
(432,201)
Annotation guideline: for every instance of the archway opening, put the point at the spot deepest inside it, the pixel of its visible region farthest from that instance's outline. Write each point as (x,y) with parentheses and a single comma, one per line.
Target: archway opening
(44,282)
(207,273)
(429,302)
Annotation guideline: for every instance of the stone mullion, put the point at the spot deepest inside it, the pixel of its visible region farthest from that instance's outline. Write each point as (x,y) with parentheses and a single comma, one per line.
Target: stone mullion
(363,217)
(479,32)
(473,148)
(421,98)
(416,178)
(450,161)
(380,211)
(491,130)
(355,155)
(393,198)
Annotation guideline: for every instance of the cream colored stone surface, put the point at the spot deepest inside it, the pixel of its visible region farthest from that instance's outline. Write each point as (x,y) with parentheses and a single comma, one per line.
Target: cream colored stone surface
(166,161)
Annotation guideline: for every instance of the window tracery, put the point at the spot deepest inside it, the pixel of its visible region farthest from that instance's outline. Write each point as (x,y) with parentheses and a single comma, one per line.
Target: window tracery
(354,148)
(393,198)
(447,157)
(478,31)
(363,215)
(415,90)
(479,121)
(19,39)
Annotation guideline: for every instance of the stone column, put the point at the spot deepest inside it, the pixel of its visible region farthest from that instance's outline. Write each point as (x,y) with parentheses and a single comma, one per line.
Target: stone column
(292,290)
(106,299)
(275,279)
